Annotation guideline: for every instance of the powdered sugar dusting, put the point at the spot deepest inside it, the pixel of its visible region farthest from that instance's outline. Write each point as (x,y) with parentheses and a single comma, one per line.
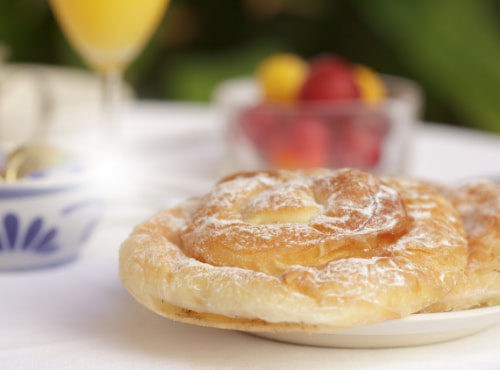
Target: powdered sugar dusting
(291,211)
(365,249)
(478,202)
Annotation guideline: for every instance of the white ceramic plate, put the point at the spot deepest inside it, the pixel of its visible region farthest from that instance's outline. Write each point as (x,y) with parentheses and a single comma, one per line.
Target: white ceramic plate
(410,331)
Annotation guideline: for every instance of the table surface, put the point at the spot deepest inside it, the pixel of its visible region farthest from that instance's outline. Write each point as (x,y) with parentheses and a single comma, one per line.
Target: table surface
(79,316)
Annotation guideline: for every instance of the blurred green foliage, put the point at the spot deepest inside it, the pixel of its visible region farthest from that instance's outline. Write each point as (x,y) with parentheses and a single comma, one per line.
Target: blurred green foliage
(451,47)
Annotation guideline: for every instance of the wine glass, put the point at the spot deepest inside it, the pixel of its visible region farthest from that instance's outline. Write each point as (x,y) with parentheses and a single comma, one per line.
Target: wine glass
(109,34)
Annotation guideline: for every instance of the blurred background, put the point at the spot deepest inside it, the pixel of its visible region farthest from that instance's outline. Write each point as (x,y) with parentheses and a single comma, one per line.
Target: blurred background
(450,47)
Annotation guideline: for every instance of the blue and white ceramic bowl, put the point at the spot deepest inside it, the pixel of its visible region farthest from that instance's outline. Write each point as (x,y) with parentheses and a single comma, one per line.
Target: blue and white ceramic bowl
(45,222)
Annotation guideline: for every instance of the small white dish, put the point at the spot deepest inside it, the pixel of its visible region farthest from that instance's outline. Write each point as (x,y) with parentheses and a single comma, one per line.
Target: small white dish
(45,222)
(413,330)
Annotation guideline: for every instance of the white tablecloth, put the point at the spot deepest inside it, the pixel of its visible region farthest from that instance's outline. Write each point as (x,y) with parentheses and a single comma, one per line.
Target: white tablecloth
(78,316)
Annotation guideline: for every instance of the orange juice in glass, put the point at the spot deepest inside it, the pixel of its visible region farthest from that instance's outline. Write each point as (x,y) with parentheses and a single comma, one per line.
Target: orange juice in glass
(109,34)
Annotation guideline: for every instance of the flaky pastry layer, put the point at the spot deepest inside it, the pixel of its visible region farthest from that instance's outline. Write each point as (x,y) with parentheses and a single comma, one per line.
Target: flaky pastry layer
(291,250)
(478,204)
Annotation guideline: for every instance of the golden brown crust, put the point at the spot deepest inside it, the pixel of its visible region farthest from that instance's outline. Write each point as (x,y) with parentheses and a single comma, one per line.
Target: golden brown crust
(272,221)
(291,250)
(478,204)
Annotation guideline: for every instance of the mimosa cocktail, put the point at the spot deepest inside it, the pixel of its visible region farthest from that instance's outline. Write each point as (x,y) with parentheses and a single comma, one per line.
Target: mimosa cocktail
(109,34)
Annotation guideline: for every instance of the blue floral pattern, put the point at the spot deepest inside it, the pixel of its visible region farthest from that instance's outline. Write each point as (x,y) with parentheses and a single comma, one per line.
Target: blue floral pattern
(35,238)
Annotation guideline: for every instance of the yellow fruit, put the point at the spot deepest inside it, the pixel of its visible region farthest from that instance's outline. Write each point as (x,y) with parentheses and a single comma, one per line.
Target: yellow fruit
(371,86)
(281,76)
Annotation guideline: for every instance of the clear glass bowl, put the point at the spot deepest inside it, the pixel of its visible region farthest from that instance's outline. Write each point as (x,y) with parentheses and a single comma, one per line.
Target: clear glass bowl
(374,138)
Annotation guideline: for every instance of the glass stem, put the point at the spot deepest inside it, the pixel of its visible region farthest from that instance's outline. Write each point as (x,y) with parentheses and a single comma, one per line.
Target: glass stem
(3,56)
(111,86)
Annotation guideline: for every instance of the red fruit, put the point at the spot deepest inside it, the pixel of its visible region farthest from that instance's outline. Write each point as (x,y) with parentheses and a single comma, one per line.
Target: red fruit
(330,78)
(260,124)
(304,146)
(362,140)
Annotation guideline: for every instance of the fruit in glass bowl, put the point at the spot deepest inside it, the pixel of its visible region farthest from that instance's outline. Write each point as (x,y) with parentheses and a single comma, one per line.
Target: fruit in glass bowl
(335,114)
